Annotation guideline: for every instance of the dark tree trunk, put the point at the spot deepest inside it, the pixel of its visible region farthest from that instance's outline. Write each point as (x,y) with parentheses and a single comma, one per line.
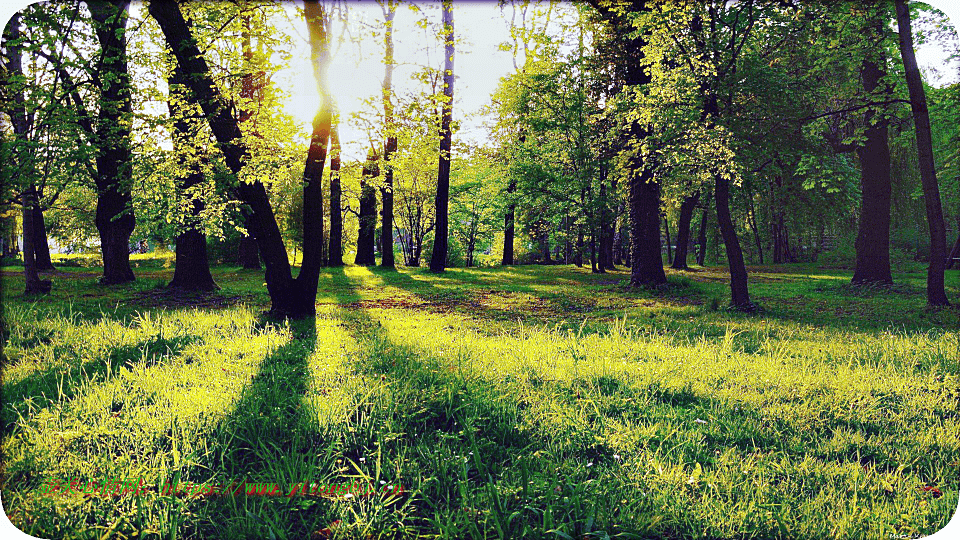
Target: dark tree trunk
(578,256)
(34,285)
(336,211)
(22,123)
(702,237)
(666,229)
(508,223)
(366,235)
(646,262)
(390,146)
(438,261)
(192,270)
(873,237)
(114,215)
(687,208)
(545,244)
(249,252)
(936,294)
(42,245)
(739,295)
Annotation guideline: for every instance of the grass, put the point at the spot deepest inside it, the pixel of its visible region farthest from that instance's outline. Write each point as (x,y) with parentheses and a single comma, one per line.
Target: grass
(513,402)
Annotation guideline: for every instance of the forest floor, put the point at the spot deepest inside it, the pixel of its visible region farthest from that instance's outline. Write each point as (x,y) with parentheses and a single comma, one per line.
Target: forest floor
(509,402)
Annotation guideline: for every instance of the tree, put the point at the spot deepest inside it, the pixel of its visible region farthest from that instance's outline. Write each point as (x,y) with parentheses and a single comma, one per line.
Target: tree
(627,44)
(115,219)
(335,257)
(438,260)
(21,121)
(936,295)
(289,296)
(873,236)
(389,8)
(192,271)
(367,215)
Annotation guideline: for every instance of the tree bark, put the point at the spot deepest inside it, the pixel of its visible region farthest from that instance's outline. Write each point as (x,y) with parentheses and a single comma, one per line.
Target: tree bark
(438,260)
(873,235)
(666,228)
(336,212)
(192,270)
(936,294)
(702,237)
(366,240)
(508,223)
(42,245)
(114,215)
(646,262)
(687,208)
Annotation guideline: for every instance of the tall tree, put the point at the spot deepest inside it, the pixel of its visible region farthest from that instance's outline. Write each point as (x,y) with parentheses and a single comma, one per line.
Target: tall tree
(21,120)
(250,89)
(936,295)
(115,219)
(873,235)
(438,260)
(389,8)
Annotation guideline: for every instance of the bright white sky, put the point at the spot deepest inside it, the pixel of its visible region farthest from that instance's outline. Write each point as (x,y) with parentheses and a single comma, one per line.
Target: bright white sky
(481,26)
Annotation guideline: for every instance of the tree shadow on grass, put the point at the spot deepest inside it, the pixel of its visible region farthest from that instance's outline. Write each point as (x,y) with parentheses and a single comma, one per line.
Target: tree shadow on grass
(39,389)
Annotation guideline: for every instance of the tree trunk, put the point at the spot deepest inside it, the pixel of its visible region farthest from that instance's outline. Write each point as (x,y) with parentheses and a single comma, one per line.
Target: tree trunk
(508,223)
(702,237)
(192,270)
(336,212)
(936,294)
(687,207)
(249,252)
(33,283)
(666,228)
(390,146)
(42,245)
(114,215)
(753,226)
(366,235)
(873,237)
(646,262)
(438,262)
(739,295)
(955,252)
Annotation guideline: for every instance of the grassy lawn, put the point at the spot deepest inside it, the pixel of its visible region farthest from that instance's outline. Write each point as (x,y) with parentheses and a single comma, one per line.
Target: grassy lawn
(516,402)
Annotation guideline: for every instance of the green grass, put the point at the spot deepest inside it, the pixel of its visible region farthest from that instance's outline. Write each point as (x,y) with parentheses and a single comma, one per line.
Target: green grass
(534,402)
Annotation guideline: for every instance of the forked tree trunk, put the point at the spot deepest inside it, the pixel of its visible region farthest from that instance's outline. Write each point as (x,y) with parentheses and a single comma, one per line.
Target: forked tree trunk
(366,234)
(289,297)
(336,212)
(114,215)
(936,294)
(687,208)
(33,283)
(438,260)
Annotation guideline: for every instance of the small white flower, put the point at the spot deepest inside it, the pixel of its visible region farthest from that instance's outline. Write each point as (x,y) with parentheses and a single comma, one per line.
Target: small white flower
(700,421)
(348,496)
(590,464)
(363,459)
(617,458)
(382,482)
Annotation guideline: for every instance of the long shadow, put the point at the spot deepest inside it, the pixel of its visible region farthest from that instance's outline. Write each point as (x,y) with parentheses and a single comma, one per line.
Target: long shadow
(41,388)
